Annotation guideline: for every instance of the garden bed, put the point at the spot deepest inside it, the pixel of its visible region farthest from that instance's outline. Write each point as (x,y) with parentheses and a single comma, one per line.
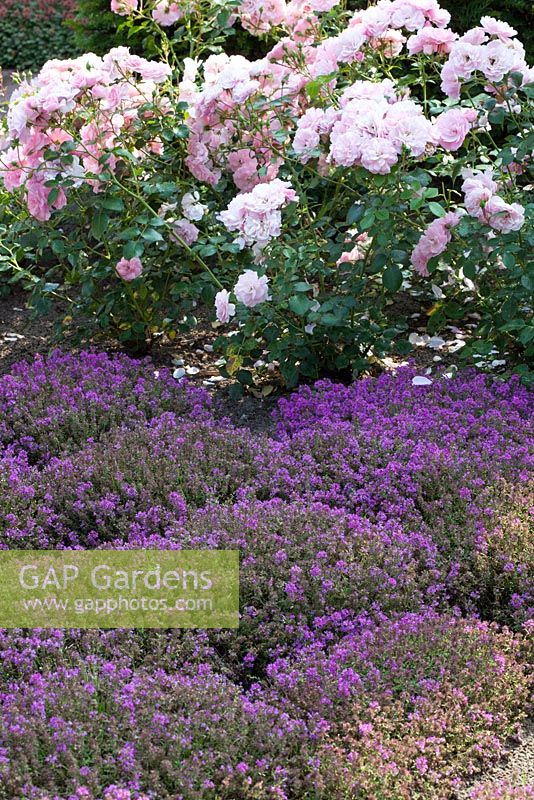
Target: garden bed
(364,517)
(312,227)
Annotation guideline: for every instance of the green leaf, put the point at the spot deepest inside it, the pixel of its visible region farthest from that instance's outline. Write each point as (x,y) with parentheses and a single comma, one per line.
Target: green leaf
(314,87)
(436,209)
(355,214)
(207,251)
(133,250)
(368,220)
(470,270)
(299,305)
(496,117)
(526,335)
(99,223)
(53,196)
(112,203)
(235,391)
(152,235)
(378,262)
(244,377)
(392,278)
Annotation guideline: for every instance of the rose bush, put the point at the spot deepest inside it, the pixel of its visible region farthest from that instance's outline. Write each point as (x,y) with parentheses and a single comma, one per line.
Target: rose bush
(364,156)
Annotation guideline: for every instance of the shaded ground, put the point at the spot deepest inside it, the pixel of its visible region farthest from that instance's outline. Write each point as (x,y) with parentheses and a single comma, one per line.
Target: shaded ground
(517,766)
(23,335)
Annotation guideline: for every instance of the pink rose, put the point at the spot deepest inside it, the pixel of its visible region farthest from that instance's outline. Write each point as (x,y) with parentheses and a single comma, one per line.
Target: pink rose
(450,82)
(224,308)
(129,269)
(37,198)
(434,241)
(378,156)
(407,15)
(451,127)
(496,27)
(250,289)
(376,21)
(431,40)
(503,216)
(167,13)
(155,71)
(124,7)
(390,44)
(184,231)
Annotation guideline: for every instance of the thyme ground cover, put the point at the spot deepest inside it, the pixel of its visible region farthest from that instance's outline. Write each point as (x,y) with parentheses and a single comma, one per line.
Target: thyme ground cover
(387,586)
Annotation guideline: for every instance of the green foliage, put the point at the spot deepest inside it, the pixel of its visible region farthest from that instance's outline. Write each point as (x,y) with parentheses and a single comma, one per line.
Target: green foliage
(97,28)
(28,40)
(341,251)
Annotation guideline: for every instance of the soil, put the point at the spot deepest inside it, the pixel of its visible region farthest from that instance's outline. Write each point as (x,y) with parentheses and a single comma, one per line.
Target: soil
(517,766)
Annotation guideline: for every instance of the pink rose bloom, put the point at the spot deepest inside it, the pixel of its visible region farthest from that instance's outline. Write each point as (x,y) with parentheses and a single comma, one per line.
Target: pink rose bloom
(323,59)
(408,127)
(306,140)
(439,17)
(224,308)
(124,7)
(473,180)
(185,231)
(37,195)
(323,5)
(498,60)
(155,71)
(431,41)
(244,167)
(349,43)
(259,16)
(250,289)
(376,21)
(166,13)
(451,127)
(129,269)
(503,216)
(390,44)
(433,242)
(478,189)
(358,251)
(476,200)
(378,156)
(496,27)
(407,15)
(450,83)
(466,58)
(13,168)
